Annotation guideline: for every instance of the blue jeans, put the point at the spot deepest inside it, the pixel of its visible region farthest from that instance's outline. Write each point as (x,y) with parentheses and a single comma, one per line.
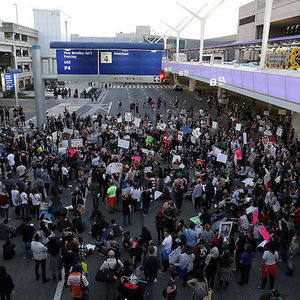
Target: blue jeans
(149,290)
(25,246)
(5,297)
(124,220)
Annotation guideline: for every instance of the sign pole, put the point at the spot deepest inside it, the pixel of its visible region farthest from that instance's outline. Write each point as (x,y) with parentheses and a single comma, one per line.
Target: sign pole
(39,93)
(16,90)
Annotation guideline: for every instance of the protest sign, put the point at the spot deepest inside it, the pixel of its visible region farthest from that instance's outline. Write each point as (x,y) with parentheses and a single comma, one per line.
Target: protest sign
(123,144)
(249,210)
(127,117)
(238,154)
(179,137)
(72,152)
(255,218)
(264,233)
(238,126)
(157,194)
(251,158)
(222,158)
(216,150)
(196,133)
(262,244)
(273,151)
(114,168)
(279,131)
(174,255)
(266,113)
(265,140)
(260,128)
(166,138)
(282,112)
(137,122)
(149,139)
(65,143)
(186,129)
(126,191)
(196,220)
(68,131)
(181,166)
(137,158)
(76,143)
(167,179)
(214,125)
(267,132)
(148,170)
(199,162)
(175,157)
(162,126)
(119,120)
(244,137)
(193,140)
(62,150)
(54,136)
(248,181)
(225,229)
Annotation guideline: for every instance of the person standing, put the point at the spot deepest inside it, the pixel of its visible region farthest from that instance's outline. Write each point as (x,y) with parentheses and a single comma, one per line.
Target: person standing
(76,280)
(197,194)
(111,263)
(27,232)
(291,253)
(166,250)
(39,252)
(245,264)
(269,265)
(111,196)
(172,286)
(150,269)
(55,258)
(6,284)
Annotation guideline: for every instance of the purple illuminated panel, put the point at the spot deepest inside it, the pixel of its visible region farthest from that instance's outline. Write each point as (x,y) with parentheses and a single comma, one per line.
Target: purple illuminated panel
(293,89)
(276,86)
(247,80)
(228,77)
(260,83)
(237,78)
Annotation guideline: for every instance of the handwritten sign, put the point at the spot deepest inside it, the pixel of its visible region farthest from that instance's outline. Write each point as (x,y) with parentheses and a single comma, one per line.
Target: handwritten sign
(255,218)
(174,255)
(222,158)
(186,129)
(264,233)
(137,122)
(137,158)
(238,127)
(196,220)
(127,117)
(123,144)
(76,143)
(114,168)
(238,154)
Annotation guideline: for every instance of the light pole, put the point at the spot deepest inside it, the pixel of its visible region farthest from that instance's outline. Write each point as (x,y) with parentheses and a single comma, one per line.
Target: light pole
(264,44)
(164,36)
(202,21)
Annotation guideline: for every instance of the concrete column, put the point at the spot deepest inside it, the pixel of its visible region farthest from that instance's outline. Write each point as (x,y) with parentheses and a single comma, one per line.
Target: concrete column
(39,89)
(50,66)
(192,84)
(296,123)
(264,43)
(202,29)
(219,92)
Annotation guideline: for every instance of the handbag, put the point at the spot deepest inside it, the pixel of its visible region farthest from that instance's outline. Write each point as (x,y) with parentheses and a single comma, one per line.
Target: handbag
(85,289)
(164,293)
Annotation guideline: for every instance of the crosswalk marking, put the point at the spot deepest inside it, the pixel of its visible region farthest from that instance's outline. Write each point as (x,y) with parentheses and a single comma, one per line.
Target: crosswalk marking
(141,86)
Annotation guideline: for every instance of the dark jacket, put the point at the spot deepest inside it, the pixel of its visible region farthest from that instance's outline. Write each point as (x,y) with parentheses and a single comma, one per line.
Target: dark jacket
(6,285)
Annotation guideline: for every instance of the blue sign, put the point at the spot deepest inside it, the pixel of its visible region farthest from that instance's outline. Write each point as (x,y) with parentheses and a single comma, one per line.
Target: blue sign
(130,62)
(79,62)
(186,129)
(9,82)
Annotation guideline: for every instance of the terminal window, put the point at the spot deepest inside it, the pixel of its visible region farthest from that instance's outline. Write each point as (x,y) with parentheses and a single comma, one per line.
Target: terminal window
(247,20)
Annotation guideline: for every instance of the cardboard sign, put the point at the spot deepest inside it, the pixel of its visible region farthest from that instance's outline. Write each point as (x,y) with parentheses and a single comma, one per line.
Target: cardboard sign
(264,233)
(255,218)
(114,168)
(174,255)
(238,127)
(123,144)
(251,158)
(225,229)
(222,158)
(76,143)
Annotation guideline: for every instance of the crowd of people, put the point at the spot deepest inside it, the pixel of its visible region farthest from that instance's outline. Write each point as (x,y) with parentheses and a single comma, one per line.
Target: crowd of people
(240,170)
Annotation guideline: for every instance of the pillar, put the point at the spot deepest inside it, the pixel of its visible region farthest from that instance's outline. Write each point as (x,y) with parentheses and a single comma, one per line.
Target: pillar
(50,66)
(192,84)
(296,123)
(39,89)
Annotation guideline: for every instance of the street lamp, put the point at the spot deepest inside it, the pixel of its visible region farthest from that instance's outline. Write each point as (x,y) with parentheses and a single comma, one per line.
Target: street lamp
(164,36)
(202,21)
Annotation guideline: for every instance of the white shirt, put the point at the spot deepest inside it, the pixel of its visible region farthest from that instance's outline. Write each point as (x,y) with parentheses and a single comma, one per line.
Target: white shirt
(167,243)
(23,197)
(39,251)
(270,258)
(14,197)
(35,198)
(11,159)
(21,170)
(64,171)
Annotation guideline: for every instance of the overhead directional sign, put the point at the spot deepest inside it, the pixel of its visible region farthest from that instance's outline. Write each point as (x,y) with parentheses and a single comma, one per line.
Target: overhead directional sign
(8,82)
(117,62)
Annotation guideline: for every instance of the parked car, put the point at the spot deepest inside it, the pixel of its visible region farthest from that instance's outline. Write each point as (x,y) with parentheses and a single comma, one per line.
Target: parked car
(177,87)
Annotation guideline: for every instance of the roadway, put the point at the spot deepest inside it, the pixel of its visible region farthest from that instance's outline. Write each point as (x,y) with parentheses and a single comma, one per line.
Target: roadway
(22,271)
